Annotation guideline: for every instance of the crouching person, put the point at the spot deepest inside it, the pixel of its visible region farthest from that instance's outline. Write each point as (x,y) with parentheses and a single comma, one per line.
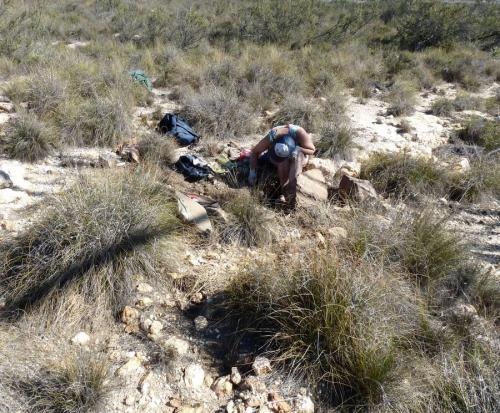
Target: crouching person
(287,147)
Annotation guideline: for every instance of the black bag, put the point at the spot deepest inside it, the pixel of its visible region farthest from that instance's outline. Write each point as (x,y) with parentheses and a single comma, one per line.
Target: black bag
(175,126)
(193,168)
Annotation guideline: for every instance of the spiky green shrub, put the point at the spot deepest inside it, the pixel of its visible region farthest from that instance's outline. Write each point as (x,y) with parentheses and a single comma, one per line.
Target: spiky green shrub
(482,132)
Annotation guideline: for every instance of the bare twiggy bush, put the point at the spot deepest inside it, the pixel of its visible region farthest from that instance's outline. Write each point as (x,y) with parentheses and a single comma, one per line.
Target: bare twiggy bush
(28,139)
(90,240)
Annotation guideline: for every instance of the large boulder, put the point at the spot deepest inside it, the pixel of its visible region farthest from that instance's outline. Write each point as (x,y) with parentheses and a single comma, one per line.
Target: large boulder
(359,190)
(312,185)
(193,213)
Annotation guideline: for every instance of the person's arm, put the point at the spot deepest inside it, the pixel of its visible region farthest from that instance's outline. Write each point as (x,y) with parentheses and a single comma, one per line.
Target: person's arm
(257,150)
(305,142)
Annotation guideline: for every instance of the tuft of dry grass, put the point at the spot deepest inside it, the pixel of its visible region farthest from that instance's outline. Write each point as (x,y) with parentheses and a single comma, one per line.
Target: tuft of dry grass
(158,149)
(248,225)
(218,111)
(47,376)
(96,122)
(335,139)
(28,139)
(331,320)
(87,245)
(401,98)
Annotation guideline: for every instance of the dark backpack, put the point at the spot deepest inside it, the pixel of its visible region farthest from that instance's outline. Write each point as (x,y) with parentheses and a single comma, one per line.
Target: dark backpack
(179,128)
(193,168)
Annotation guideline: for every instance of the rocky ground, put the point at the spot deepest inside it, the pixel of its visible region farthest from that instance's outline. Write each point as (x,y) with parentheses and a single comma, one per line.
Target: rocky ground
(171,351)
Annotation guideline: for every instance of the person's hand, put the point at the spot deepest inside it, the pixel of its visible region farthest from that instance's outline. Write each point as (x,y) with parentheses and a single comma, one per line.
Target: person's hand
(252,177)
(295,153)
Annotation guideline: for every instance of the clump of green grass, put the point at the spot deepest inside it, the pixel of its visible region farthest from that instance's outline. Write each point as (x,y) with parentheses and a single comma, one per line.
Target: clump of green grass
(90,240)
(218,111)
(401,98)
(335,139)
(482,132)
(403,175)
(331,320)
(28,139)
(430,251)
(247,224)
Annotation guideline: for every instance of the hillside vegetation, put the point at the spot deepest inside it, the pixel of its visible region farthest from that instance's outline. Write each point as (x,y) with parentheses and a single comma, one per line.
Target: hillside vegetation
(379,306)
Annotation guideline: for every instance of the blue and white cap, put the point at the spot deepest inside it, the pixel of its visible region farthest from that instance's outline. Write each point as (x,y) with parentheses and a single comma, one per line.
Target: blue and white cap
(282,149)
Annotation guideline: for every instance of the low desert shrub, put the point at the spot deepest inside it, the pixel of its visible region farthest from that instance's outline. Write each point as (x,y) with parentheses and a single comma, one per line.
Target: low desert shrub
(402,175)
(247,224)
(218,111)
(442,107)
(461,65)
(482,132)
(335,139)
(445,107)
(401,98)
(158,149)
(28,139)
(45,91)
(97,121)
(299,111)
(331,320)
(90,240)
(467,102)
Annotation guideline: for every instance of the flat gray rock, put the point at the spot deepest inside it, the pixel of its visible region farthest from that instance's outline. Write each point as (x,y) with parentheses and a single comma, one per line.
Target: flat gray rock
(5,181)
